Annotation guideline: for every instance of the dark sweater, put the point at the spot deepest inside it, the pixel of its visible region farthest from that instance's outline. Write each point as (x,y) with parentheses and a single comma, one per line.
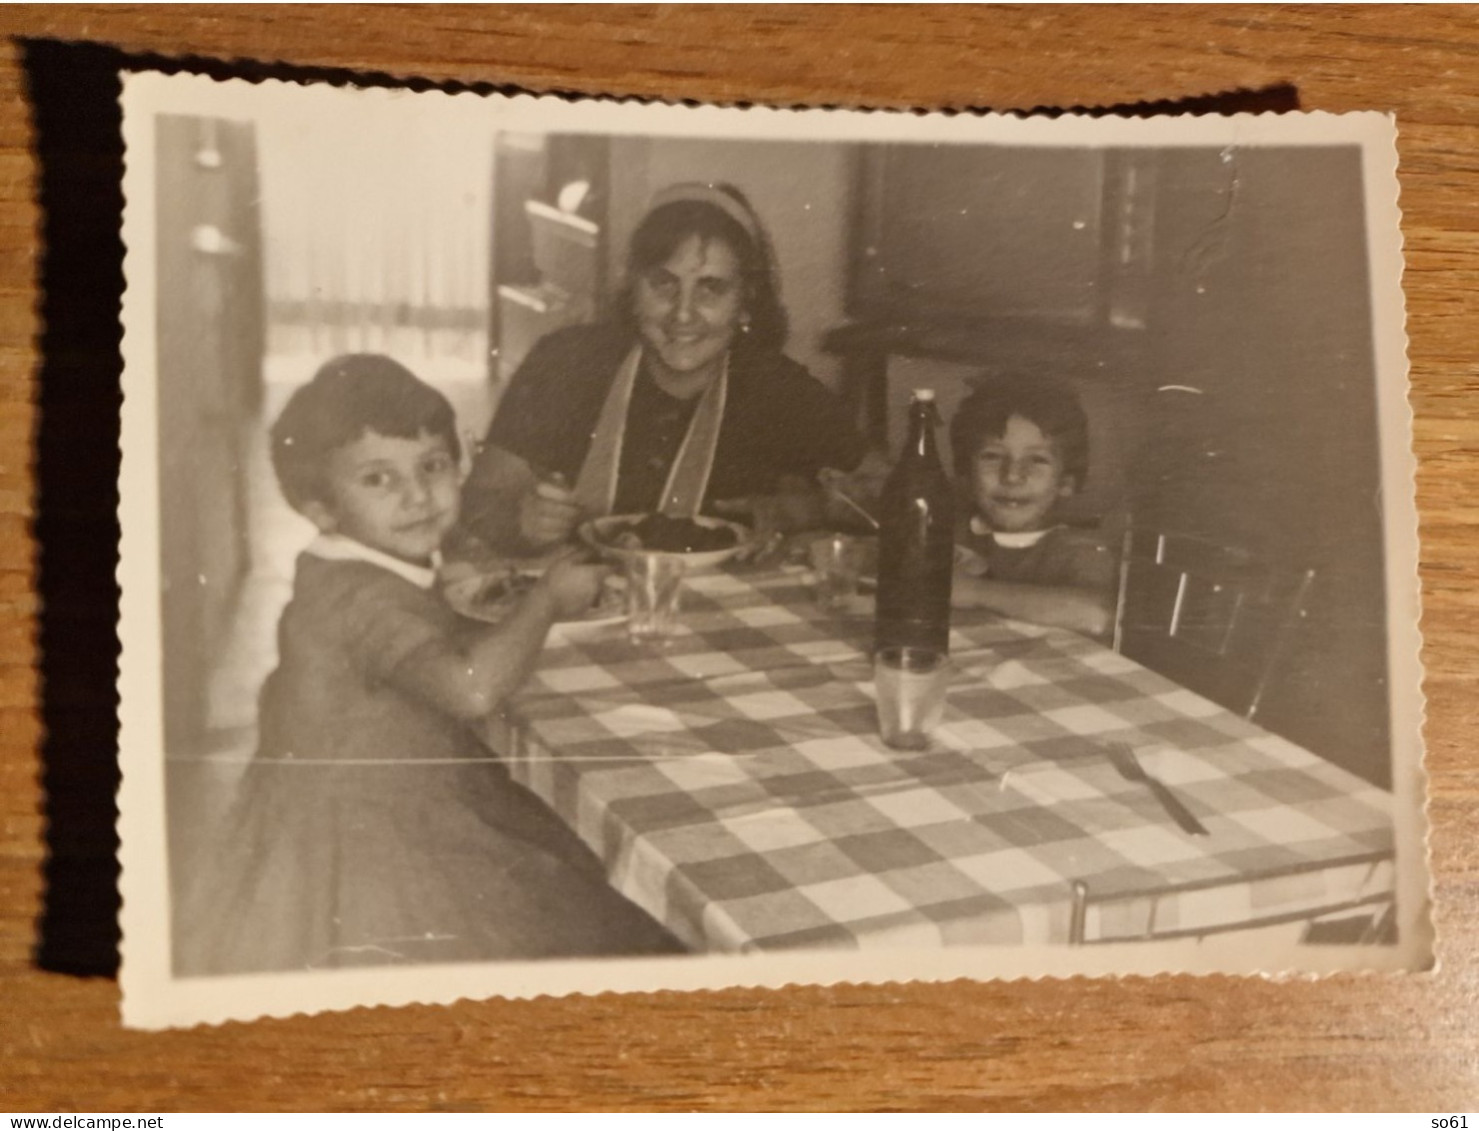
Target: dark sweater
(778,419)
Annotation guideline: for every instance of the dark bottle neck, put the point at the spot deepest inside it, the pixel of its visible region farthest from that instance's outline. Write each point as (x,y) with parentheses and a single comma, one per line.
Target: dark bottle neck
(923,417)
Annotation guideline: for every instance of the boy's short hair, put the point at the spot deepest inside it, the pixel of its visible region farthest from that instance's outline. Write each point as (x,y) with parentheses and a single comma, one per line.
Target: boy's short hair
(1048,402)
(349,396)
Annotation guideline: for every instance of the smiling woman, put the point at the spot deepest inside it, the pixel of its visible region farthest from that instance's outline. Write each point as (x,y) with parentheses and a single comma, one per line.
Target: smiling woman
(682,404)
(687,309)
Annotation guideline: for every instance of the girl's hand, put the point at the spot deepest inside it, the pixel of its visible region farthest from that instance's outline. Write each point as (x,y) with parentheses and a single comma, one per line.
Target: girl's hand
(548,513)
(573,585)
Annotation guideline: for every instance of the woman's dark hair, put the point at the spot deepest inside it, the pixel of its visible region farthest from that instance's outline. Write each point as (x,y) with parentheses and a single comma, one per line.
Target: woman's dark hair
(1048,402)
(664,229)
(349,396)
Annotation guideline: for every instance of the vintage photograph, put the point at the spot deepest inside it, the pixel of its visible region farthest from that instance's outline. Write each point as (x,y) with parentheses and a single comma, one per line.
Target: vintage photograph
(573,546)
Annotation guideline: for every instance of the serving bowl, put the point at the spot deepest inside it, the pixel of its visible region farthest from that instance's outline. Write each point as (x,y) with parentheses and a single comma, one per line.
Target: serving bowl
(600,533)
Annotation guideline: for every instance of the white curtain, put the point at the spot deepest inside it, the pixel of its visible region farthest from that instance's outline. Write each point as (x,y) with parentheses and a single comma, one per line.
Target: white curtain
(376,232)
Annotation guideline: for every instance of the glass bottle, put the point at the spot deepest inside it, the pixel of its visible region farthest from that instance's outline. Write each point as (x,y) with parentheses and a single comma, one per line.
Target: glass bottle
(916,540)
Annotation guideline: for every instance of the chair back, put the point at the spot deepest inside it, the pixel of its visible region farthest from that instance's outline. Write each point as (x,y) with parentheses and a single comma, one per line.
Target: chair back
(1348,913)
(1214,618)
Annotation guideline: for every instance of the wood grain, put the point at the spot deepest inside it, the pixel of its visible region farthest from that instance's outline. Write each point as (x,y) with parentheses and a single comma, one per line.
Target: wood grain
(1348,1042)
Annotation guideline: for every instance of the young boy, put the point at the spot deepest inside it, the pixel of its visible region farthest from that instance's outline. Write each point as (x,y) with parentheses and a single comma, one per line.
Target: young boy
(372,827)
(1021,447)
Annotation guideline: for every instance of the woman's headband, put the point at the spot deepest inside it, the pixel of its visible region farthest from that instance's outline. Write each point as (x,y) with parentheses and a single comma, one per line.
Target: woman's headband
(697,193)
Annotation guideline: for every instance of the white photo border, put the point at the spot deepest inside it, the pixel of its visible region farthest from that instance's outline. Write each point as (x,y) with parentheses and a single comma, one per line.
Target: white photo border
(154,998)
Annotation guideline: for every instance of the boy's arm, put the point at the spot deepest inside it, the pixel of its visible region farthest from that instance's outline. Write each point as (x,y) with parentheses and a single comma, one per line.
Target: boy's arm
(1089,611)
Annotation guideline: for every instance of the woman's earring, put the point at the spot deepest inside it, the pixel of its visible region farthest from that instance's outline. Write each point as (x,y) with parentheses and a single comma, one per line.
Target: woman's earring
(744,325)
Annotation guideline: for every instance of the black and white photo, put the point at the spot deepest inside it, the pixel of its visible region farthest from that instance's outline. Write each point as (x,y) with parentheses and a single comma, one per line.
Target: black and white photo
(572,546)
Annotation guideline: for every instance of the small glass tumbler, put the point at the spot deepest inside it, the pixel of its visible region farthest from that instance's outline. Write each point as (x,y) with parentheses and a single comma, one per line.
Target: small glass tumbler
(837,562)
(653,584)
(911,685)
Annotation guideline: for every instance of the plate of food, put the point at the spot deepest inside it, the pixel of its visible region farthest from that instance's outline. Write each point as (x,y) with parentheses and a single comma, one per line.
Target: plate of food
(701,542)
(491,596)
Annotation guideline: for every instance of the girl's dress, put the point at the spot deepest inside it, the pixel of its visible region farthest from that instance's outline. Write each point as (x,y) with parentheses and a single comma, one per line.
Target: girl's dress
(371,828)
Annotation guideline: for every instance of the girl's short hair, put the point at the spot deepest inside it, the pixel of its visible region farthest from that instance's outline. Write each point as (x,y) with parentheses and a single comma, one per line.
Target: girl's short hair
(1047,402)
(664,229)
(349,396)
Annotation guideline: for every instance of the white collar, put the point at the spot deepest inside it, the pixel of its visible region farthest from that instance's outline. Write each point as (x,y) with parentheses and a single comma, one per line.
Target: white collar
(1020,540)
(337,548)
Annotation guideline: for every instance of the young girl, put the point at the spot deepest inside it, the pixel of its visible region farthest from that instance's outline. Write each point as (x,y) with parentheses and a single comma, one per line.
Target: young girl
(1021,447)
(372,827)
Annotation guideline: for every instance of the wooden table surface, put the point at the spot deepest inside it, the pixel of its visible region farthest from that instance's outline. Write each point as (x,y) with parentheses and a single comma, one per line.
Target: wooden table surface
(1409,1043)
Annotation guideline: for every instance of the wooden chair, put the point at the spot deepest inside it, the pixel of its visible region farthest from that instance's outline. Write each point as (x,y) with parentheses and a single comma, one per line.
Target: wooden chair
(1215,619)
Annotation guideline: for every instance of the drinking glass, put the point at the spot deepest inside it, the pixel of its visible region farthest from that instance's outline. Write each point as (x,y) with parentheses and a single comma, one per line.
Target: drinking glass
(653,584)
(911,685)
(837,563)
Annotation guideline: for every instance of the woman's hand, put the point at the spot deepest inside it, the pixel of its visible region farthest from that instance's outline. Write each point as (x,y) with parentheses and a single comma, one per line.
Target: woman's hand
(548,513)
(853,496)
(510,509)
(797,505)
(763,513)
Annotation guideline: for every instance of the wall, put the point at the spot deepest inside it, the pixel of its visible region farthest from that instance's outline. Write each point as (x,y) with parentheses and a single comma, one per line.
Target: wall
(803,195)
(209,342)
(1262,302)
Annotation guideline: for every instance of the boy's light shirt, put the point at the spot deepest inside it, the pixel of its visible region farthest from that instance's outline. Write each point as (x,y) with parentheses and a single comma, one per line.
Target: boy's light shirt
(1019,540)
(337,548)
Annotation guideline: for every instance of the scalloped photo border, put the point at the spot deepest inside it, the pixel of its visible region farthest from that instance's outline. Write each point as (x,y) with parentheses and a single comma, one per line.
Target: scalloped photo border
(154,998)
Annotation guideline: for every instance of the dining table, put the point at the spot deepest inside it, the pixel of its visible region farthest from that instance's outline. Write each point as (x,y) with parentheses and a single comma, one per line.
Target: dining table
(732,782)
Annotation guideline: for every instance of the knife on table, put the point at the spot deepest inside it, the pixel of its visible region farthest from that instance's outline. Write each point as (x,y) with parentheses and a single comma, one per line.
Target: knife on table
(1123,759)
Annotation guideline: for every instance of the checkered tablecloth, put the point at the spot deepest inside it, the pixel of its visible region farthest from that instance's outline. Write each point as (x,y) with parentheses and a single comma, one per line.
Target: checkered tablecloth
(736,789)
